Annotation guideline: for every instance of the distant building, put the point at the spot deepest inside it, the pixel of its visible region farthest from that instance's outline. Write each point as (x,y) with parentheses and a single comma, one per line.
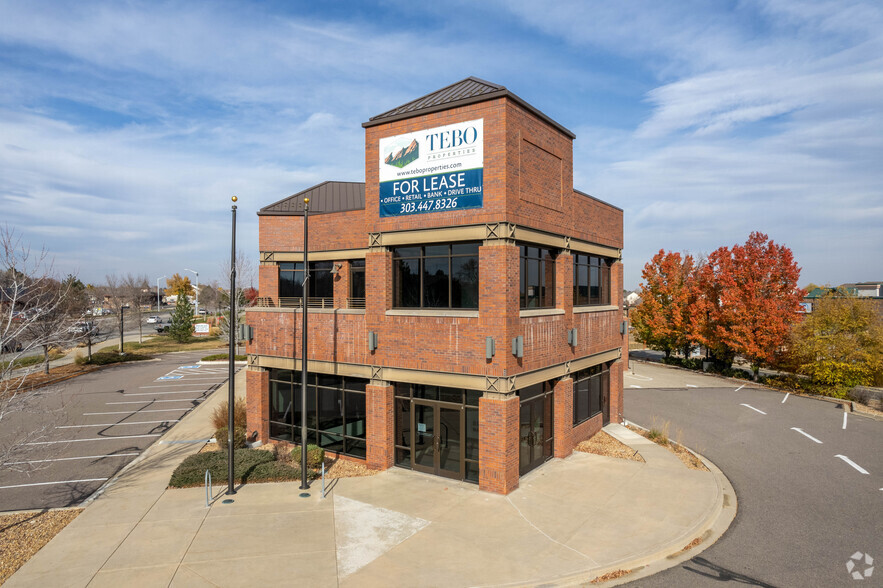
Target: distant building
(870,290)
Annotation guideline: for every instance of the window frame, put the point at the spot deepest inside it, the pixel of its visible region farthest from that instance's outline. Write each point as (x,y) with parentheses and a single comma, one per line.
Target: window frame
(344,390)
(588,263)
(582,391)
(402,254)
(543,256)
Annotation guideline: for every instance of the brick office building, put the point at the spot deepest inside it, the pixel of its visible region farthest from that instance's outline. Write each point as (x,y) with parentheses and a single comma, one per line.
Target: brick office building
(465,302)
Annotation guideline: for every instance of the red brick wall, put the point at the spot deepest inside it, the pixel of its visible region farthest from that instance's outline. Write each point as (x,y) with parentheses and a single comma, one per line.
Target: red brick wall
(328,232)
(257,391)
(587,429)
(596,222)
(563,426)
(380,426)
(342,284)
(498,444)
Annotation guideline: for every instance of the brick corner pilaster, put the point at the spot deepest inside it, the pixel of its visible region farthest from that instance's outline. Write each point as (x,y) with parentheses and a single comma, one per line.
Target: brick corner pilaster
(498,444)
(380,426)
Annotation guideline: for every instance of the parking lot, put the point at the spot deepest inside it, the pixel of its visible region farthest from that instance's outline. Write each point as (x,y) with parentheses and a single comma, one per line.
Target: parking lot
(97,423)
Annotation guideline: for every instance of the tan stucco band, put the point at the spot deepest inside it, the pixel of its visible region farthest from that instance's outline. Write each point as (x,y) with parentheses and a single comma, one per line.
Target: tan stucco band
(485,233)
(504,385)
(605,308)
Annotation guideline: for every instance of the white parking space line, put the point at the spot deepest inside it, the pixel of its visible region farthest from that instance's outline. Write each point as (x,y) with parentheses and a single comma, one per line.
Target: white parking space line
(146,401)
(637,377)
(786,397)
(752,408)
(73,458)
(172,392)
(844,420)
(135,412)
(189,383)
(119,424)
(855,465)
(737,389)
(52,483)
(688,385)
(632,386)
(94,439)
(805,434)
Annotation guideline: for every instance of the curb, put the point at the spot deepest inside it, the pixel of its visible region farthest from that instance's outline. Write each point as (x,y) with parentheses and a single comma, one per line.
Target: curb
(846,402)
(716,523)
(221,362)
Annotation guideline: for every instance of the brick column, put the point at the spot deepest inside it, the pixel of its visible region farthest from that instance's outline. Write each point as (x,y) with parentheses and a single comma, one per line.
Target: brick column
(268,282)
(257,401)
(498,444)
(562,397)
(342,284)
(380,427)
(616,391)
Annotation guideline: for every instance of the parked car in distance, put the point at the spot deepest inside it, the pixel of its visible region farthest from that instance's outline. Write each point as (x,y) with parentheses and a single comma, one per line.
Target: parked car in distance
(11,346)
(154,319)
(203,311)
(162,328)
(84,328)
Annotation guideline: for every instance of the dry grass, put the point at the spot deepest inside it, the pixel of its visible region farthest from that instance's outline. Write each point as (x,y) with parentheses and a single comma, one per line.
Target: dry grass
(604,444)
(681,452)
(24,534)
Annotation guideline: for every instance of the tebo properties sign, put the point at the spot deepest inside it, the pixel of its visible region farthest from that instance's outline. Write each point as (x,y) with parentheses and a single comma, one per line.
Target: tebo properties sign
(432,170)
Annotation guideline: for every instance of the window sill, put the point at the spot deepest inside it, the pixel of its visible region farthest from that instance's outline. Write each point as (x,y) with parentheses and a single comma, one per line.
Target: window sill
(432,312)
(541,312)
(600,308)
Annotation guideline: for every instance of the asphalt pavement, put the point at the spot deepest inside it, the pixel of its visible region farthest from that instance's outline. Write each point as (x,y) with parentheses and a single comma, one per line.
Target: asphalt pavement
(807,472)
(91,426)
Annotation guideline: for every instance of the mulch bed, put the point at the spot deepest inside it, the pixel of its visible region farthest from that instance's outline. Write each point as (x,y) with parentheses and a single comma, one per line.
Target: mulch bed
(57,374)
(24,534)
(604,444)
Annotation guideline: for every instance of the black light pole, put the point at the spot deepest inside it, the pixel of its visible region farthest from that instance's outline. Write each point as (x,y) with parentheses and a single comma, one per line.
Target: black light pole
(231,382)
(122,308)
(303,355)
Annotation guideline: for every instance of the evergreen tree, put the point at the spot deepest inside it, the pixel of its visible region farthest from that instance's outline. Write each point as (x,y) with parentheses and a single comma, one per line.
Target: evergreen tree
(182,318)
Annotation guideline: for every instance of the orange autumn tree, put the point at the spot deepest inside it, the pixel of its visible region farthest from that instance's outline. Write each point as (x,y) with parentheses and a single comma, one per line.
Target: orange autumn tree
(749,300)
(663,319)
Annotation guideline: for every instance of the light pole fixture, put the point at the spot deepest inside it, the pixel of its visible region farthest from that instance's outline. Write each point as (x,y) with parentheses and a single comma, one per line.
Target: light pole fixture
(157,291)
(304,485)
(197,287)
(231,381)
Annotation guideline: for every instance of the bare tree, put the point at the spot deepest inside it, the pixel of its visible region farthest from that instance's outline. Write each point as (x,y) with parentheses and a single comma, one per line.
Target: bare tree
(134,288)
(245,277)
(34,308)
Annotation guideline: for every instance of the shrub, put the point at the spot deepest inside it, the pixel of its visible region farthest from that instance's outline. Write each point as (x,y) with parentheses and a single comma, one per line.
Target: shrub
(315,456)
(107,357)
(240,413)
(238,437)
(224,357)
(191,471)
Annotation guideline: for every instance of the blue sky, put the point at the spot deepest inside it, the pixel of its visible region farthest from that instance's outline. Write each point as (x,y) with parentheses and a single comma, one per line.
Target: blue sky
(125,127)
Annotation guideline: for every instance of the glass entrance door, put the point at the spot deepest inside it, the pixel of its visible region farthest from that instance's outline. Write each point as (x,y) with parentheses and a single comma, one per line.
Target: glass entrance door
(437,442)
(535,432)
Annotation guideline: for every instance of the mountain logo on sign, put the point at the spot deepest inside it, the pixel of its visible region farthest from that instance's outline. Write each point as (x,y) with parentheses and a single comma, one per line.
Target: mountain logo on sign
(403,156)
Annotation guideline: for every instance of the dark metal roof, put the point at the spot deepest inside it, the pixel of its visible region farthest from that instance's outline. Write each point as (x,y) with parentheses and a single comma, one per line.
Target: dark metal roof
(324,198)
(468,91)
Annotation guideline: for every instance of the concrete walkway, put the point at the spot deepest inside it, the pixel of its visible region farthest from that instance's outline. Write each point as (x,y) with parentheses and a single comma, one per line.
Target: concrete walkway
(568,522)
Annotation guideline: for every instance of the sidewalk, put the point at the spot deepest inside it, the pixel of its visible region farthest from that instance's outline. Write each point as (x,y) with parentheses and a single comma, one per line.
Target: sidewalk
(569,522)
